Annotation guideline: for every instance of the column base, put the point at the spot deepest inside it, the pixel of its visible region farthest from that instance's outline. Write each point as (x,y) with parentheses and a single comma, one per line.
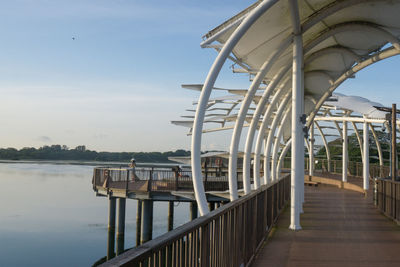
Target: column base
(295,227)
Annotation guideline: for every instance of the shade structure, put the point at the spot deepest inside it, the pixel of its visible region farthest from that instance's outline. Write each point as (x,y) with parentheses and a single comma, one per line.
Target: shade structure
(300,51)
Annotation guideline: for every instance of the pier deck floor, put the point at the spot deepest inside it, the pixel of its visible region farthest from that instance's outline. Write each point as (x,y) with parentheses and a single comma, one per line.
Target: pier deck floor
(340,228)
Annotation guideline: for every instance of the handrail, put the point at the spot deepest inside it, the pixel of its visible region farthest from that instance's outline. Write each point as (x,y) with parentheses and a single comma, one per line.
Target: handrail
(388,198)
(160,179)
(231,234)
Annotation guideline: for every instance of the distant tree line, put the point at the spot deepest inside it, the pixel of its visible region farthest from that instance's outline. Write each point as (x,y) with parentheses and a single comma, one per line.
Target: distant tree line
(62,152)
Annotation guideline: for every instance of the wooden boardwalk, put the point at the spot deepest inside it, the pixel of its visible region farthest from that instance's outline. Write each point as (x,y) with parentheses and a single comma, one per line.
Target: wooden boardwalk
(340,228)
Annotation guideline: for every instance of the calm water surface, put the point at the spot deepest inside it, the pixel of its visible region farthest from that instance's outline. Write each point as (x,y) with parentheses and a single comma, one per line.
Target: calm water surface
(50,216)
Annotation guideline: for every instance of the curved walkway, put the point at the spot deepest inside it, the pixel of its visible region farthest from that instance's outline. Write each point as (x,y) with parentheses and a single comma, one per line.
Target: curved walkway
(340,228)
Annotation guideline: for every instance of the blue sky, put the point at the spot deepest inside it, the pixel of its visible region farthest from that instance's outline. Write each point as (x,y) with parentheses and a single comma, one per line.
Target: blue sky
(117,85)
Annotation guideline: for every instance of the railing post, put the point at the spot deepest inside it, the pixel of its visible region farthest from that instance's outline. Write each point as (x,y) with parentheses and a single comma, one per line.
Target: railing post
(176,179)
(150,184)
(205,176)
(127,181)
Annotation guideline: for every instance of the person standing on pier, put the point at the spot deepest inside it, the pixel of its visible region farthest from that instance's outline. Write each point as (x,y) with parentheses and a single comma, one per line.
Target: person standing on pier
(132,166)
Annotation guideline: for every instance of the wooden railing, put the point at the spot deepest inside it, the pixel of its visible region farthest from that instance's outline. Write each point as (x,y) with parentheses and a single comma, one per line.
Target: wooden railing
(228,236)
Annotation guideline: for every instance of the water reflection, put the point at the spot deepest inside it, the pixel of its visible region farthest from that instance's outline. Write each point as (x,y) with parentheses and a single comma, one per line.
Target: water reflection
(51,216)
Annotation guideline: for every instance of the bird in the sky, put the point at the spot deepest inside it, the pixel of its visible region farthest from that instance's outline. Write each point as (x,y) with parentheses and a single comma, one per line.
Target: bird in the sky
(73,38)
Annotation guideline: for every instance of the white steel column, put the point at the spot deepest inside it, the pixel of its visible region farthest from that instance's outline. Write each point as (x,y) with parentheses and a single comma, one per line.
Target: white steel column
(311,151)
(345,151)
(297,168)
(366,156)
(205,95)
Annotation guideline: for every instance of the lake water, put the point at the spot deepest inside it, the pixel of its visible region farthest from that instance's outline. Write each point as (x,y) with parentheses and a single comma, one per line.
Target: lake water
(50,216)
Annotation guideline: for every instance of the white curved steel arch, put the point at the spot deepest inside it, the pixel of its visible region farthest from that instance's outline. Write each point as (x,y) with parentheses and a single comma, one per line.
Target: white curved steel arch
(205,95)
(387,53)
(242,114)
(315,18)
(283,154)
(328,153)
(378,144)
(271,133)
(264,124)
(274,167)
(326,34)
(358,139)
(350,27)
(254,123)
(332,50)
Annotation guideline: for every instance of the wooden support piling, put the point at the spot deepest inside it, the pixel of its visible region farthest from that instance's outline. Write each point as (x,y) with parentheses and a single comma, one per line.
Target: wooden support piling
(170,215)
(147,221)
(193,210)
(111,228)
(138,221)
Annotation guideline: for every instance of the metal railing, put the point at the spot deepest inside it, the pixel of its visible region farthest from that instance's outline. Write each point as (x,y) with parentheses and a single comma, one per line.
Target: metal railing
(354,168)
(388,198)
(228,236)
(160,179)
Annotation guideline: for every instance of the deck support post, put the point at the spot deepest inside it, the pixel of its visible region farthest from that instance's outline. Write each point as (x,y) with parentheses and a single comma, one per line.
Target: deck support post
(170,215)
(138,221)
(193,210)
(121,202)
(147,221)
(298,120)
(345,152)
(111,228)
(366,156)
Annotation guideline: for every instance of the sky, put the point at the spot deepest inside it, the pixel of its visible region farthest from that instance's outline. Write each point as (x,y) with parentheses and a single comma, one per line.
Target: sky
(107,73)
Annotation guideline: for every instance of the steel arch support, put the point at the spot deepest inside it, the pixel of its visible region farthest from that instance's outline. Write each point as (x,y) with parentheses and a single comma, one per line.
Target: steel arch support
(271,134)
(204,97)
(253,126)
(274,165)
(232,173)
(263,127)
(283,155)
(328,153)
